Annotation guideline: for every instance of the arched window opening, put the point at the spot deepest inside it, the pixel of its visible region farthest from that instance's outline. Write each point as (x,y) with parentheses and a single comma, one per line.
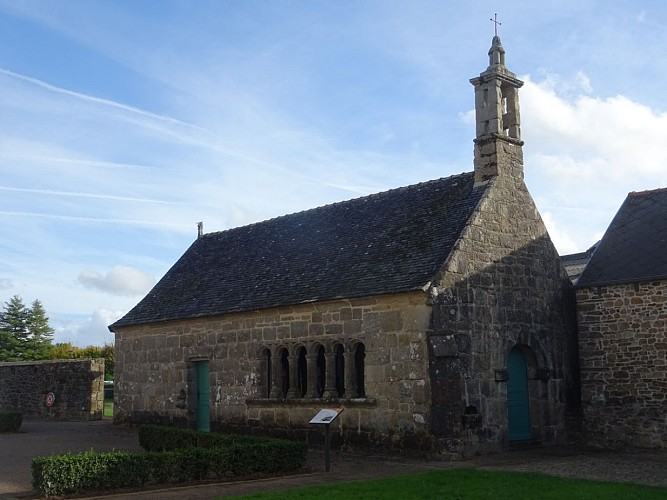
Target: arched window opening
(359,360)
(266,374)
(339,370)
(302,372)
(284,372)
(320,377)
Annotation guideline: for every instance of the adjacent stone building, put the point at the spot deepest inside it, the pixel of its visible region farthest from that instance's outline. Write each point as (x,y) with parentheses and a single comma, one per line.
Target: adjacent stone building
(575,263)
(438,315)
(622,316)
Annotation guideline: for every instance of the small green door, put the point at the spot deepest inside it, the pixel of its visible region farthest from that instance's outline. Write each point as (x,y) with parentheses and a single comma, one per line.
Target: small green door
(203,397)
(518,403)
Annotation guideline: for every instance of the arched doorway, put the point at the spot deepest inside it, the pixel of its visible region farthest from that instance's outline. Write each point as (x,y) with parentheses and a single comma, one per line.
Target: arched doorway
(518,399)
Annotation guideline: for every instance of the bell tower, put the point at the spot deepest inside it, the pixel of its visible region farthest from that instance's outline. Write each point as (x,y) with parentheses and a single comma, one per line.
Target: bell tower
(498,144)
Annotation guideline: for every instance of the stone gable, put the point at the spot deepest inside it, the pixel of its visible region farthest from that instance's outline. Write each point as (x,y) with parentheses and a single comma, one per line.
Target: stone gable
(502,288)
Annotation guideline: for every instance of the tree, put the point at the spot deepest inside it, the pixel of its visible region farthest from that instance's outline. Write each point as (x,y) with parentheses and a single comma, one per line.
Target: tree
(14,325)
(40,332)
(7,344)
(25,334)
(109,355)
(66,350)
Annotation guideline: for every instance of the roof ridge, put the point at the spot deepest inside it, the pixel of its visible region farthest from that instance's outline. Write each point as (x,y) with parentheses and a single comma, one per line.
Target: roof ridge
(336,203)
(647,191)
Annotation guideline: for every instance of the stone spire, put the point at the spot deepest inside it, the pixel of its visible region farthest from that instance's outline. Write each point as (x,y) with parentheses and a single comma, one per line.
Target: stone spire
(498,139)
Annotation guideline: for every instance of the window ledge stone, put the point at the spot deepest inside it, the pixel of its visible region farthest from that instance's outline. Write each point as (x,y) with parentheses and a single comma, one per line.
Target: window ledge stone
(309,402)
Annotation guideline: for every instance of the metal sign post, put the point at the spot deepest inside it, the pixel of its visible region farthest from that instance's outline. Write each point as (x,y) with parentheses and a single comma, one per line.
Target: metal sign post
(325,417)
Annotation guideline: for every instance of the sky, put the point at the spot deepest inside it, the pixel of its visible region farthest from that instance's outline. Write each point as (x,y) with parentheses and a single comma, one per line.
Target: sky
(124,123)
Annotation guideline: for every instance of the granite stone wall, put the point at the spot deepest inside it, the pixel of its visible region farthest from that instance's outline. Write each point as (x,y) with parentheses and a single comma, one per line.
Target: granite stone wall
(155,374)
(503,287)
(77,385)
(623,347)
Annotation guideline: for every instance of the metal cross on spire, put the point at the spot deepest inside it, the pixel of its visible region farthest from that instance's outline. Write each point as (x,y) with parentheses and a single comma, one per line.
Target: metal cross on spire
(495,22)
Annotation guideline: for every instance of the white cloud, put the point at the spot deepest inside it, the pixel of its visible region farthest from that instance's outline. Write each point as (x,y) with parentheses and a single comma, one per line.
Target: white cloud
(5,283)
(122,111)
(563,242)
(121,280)
(613,137)
(583,81)
(584,153)
(467,117)
(83,332)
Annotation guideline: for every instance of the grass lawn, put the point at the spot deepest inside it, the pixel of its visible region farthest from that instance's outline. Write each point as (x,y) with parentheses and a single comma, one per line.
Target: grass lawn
(471,483)
(108,408)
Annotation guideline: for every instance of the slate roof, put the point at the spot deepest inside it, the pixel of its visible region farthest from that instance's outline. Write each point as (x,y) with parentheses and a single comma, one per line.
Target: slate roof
(575,263)
(390,242)
(634,247)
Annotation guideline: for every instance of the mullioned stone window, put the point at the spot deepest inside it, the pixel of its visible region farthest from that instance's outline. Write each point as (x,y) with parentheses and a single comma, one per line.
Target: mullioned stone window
(313,371)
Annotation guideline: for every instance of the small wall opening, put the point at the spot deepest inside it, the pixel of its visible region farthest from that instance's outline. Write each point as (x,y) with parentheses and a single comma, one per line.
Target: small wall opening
(284,372)
(266,373)
(302,372)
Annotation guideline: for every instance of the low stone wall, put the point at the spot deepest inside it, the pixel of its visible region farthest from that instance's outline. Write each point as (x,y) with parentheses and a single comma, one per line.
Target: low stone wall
(77,387)
(623,349)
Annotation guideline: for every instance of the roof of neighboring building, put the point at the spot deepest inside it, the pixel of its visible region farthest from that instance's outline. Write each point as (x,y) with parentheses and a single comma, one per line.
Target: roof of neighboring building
(390,242)
(575,263)
(634,247)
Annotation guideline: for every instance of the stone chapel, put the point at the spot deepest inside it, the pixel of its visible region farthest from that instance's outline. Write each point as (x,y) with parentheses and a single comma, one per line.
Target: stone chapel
(438,316)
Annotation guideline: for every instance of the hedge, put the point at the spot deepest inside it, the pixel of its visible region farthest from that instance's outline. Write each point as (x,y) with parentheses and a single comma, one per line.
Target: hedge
(161,438)
(10,421)
(76,473)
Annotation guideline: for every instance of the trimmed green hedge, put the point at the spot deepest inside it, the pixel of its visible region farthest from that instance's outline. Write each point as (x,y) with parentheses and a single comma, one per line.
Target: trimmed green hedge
(10,421)
(160,438)
(77,473)
(74,473)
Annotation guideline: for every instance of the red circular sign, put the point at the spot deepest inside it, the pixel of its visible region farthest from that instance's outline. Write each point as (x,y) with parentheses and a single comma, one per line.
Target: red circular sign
(50,399)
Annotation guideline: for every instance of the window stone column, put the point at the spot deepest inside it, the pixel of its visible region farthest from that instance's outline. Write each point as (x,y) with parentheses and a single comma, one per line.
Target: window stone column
(311,391)
(330,376)
(276,379)
(293,391)
(350,376)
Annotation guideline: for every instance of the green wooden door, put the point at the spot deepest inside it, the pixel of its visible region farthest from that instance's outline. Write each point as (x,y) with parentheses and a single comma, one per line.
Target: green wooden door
(518,403)
(203,397)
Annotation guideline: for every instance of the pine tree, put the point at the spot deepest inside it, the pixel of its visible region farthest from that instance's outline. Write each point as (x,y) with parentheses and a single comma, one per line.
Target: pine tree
(14,326)
(40,333)
(25,334)
(7,347)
